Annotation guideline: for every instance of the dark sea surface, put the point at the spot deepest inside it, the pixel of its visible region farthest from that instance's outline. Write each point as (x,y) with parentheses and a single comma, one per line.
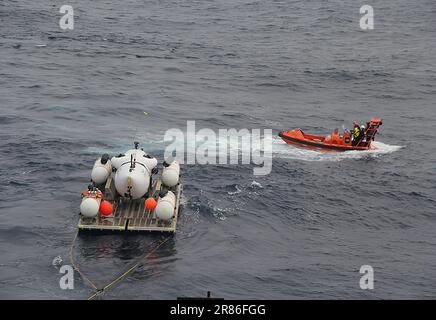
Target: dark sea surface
(302,231)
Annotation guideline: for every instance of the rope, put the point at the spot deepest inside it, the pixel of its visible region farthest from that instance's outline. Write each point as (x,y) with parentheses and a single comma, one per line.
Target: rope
(75,266)
(128,271)
(98,291)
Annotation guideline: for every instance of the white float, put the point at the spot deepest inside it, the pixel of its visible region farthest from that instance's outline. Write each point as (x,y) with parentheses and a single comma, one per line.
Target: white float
(171,174)
(101,170)
(90,206)
(165,206)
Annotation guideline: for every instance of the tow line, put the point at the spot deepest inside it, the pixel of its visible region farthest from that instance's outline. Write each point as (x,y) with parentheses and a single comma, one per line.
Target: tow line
(98,291)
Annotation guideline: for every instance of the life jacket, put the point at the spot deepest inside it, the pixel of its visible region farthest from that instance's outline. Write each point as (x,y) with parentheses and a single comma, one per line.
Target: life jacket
(356,132)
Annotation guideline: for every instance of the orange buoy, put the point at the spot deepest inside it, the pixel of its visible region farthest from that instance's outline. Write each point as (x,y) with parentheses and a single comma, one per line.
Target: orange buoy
(150,203)
(106,208)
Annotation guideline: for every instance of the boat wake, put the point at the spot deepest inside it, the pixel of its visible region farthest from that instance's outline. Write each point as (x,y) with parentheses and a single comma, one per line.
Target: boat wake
(154,143)
(282,150)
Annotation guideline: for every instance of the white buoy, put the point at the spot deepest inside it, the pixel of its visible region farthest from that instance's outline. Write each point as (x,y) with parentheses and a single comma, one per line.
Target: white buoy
(89,207)
(101,171)
(165,206)
(171,174)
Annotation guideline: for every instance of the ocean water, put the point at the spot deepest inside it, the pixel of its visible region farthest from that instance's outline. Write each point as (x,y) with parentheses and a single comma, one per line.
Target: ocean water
(301,232)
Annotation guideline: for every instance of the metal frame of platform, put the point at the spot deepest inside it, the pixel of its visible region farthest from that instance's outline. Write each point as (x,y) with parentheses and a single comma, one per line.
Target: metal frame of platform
(131,215)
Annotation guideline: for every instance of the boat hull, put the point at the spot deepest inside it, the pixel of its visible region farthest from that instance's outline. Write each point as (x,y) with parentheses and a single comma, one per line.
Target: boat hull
(301,141)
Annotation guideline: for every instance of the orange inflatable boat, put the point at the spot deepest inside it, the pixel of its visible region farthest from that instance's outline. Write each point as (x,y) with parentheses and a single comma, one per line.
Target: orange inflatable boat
(334,141)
